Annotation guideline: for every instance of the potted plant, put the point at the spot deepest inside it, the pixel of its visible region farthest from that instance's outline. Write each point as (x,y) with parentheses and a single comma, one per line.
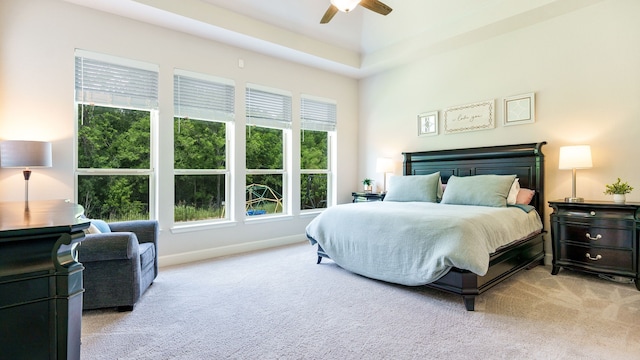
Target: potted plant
(368,184)
(618,189)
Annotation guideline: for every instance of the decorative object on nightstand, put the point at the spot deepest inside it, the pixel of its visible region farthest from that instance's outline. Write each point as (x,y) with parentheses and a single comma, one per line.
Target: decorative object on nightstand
(385,166)
(573,158)
(599,237)
(618,189)
(367,185)
(25,154)
(366,196)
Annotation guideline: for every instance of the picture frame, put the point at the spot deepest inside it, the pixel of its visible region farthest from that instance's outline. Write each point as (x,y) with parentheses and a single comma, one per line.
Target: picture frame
(428,124)
(519,109)
(470,117)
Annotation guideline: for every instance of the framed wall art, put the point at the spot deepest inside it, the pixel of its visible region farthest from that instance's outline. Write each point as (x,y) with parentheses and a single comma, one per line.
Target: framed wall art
(470,117)
(428,124)
(520,109)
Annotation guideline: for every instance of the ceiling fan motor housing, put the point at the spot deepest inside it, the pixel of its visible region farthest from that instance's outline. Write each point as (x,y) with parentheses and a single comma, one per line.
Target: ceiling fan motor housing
(345,5)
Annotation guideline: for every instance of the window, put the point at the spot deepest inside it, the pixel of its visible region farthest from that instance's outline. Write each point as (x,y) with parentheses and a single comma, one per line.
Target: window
(268,134)
(204,112)
(116,101)
(318,123)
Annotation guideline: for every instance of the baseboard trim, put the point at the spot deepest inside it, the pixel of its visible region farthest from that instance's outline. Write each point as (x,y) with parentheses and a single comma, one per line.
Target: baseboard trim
(192,256)
(548,259)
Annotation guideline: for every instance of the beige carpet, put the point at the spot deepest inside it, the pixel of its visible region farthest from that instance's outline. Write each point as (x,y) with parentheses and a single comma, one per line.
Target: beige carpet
(278,304)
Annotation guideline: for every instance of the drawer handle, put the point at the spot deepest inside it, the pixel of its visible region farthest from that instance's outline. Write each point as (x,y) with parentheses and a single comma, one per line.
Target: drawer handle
(598,237)
(593,213)
(598,257)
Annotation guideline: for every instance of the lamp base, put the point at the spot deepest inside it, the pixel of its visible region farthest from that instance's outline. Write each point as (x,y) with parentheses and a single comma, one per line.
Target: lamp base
(574,199)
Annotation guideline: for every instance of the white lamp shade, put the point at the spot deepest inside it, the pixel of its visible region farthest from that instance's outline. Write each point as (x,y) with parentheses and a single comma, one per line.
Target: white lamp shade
(345,5)
(22,154)
(384,165)
(575,157)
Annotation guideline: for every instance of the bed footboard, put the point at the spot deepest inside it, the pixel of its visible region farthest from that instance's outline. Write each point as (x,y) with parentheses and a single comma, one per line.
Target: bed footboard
(525,254)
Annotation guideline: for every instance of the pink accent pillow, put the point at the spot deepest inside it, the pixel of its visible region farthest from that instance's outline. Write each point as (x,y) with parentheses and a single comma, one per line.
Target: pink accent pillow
(524,196)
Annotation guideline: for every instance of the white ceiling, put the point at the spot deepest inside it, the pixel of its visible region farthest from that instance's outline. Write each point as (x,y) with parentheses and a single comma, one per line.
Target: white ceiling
(355,44)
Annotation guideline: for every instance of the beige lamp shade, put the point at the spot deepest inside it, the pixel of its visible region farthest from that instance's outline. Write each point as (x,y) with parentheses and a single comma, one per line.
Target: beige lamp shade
(575,157)
(25,154)
(572,158)
(384,165)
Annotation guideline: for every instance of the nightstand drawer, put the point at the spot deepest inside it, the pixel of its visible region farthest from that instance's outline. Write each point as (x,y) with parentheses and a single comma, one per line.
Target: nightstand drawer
(602,236)
(620,217)
(598,257)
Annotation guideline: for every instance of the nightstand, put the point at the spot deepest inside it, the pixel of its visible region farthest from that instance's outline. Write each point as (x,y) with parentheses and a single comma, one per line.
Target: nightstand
(363,196)
(599,237)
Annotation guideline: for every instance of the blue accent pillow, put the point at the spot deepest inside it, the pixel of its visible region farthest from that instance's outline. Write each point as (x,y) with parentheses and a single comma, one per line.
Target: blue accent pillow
(481,190)
(101,225)
(414,188)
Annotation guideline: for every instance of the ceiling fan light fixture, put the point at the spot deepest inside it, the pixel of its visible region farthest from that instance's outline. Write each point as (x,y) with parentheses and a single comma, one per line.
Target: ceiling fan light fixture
(345,5)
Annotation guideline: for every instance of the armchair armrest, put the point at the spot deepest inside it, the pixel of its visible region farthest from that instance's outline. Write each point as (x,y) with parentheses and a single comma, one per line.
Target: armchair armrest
(108,246)
(145,230)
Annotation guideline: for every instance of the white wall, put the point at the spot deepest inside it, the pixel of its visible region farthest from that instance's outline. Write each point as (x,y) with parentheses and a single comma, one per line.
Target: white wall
(37,42)
(583,67)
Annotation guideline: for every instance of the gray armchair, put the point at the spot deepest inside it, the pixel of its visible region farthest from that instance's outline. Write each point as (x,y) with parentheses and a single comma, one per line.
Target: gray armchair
(120,263)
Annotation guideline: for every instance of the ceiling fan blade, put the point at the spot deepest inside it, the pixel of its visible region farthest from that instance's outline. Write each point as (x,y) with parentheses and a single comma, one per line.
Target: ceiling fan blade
(331,11)
(376,6)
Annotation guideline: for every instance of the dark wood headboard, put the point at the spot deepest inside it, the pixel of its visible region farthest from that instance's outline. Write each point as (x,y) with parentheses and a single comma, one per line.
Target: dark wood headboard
(526,161)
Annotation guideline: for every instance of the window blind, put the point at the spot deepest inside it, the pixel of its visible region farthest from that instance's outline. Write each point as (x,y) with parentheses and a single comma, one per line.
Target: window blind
(268,108)
(204,99)
(107,83)
(317,115)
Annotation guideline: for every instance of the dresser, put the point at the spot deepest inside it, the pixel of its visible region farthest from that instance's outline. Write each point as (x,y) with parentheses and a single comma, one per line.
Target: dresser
(599,237)
(40,279)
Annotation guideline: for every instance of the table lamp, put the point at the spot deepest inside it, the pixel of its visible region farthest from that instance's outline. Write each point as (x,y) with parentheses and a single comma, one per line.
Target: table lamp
(572,158)
(384,165)
(25,154)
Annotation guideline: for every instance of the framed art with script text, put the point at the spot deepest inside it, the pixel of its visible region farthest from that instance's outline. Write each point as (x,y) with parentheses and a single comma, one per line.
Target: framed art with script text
(470,117)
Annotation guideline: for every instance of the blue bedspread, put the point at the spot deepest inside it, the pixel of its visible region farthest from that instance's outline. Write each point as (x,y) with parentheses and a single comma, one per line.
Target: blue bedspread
(415,243)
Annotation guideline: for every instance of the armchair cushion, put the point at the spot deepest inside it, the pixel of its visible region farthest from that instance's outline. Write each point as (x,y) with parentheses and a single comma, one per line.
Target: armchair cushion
(147,253)
(101,225)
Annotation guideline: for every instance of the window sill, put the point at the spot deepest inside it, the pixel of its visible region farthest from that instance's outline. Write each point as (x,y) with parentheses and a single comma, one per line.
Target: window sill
(311,213)
(267,218)
(200,226)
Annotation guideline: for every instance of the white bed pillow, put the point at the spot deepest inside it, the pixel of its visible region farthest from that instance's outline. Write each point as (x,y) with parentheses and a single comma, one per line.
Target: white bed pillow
(481,190)
(413,188)
(513,193)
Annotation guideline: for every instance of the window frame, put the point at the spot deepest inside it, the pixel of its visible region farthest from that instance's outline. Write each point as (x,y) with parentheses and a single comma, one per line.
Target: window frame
(314,120)
(119,103)
(228,119)
(283,124)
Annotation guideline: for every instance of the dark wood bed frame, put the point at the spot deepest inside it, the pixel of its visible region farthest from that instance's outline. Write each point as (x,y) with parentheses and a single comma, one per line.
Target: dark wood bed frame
(524,160)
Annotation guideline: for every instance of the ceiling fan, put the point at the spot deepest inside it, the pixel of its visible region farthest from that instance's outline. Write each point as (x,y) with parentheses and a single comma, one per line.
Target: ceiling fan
(348,5)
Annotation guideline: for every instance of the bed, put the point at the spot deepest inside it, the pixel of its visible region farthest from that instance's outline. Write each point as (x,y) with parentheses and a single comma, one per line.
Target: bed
(502,257)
